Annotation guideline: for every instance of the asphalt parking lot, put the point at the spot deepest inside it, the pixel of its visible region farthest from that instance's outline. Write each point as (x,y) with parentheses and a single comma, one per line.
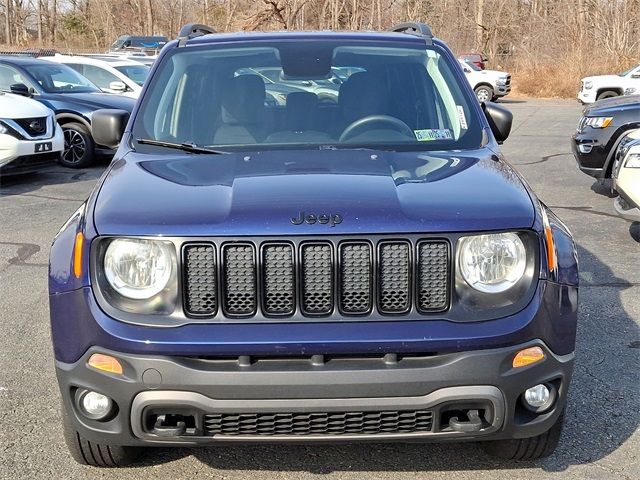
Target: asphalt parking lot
(601,437)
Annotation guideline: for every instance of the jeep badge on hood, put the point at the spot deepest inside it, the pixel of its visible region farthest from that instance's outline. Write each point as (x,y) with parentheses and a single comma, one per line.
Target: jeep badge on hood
(311,218)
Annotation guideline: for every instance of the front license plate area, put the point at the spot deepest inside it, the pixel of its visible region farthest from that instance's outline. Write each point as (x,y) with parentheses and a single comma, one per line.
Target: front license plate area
(43,147)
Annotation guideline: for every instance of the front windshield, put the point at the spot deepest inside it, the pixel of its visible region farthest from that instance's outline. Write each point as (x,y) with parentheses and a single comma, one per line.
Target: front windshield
(57,78)
(137,73)
(309,94)
(627,72)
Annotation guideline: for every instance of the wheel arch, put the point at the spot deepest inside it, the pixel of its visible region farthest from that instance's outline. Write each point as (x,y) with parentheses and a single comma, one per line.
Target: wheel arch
(618,90)
(484,84)
(67,117)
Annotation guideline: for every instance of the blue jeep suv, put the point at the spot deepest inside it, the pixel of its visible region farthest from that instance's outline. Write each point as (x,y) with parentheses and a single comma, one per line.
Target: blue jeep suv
(368,268)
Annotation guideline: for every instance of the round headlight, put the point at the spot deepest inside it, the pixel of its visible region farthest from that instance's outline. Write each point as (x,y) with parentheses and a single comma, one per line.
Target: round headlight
(492,263)
(138,268)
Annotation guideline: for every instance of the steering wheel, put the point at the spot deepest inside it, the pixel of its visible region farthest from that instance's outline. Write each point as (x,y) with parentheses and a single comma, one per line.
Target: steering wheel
(372,121)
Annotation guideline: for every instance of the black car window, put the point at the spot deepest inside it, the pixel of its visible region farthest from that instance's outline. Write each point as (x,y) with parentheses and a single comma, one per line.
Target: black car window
(10,76)
(99,76)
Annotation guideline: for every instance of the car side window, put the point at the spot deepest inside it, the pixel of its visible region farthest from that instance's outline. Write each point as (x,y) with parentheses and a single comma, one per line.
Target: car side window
(99,76)
(10,76)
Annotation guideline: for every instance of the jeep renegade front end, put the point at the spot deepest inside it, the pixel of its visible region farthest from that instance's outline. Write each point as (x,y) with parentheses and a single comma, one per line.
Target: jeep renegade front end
(363,268)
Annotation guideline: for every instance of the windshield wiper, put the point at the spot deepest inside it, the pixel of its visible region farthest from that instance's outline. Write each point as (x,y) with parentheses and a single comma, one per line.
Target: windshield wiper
(186,147)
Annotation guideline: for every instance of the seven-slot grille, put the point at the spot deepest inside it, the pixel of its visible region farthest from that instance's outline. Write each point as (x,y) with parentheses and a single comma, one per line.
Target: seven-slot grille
(319,423)
(316,278)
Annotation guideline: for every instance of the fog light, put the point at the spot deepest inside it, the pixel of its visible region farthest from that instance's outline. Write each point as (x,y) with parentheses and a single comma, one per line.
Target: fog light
(585,148)
(539,398)
(94,405)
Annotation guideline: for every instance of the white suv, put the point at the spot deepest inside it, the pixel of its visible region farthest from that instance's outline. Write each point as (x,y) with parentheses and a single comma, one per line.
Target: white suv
(30,138)
(600,87)
(489,85)
(111,75)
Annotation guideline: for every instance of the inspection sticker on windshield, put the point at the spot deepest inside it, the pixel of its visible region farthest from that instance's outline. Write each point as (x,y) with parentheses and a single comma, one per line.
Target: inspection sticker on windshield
(462,117)
(431,134)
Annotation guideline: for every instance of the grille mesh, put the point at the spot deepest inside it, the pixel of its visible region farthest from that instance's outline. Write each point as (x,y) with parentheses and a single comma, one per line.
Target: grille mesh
(394,277)
(317,279)
(279,280)
(433,273)
(355,278)
(321,423)
(240,280)
(275,288)
(200,280)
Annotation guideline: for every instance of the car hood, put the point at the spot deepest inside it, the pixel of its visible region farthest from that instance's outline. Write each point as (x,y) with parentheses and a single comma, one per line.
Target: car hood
(612,105)
(493,73)
(264,193)
(15,107)
(90,101)
(605,79)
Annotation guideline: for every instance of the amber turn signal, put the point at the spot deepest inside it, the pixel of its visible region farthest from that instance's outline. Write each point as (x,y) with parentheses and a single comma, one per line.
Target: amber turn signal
(77,255)
(528,356)
(106,363)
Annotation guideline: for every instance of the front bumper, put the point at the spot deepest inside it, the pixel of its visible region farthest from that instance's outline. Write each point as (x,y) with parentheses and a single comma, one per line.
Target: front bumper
(592,150)
(586,96)
(19,156)
(343,385)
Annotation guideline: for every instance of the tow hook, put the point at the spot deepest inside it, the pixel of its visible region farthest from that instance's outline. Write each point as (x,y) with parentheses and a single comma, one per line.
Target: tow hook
(169,427)
(473,425)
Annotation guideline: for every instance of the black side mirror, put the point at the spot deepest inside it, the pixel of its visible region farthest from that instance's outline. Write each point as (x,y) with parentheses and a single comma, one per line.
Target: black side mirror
(108,126)
(500,120)
(20,89)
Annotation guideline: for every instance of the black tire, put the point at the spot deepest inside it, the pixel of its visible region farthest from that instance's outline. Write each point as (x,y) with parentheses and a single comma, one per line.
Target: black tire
(78,146)
(484,93)
(532,448)
(607,94)
(96,454)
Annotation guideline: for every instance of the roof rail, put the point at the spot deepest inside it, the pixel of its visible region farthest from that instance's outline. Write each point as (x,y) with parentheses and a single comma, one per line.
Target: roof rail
(415,28)
(192,30)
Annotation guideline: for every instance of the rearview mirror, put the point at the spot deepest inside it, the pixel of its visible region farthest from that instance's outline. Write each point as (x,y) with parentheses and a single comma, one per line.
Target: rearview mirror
(117,86)
(20,89)
(635,75)
(108,126)
(500,120)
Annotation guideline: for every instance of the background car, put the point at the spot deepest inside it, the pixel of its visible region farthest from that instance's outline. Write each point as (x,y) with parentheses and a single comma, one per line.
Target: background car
(30,138)
(601,87)
(475,58)
(603,126)
(488,85)
(71,96)
(626,180)
(139,57)
(109,74)
(140,43)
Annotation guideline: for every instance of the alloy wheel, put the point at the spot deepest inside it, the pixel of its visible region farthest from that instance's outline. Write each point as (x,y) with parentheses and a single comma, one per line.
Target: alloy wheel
(74,146)
(483,95)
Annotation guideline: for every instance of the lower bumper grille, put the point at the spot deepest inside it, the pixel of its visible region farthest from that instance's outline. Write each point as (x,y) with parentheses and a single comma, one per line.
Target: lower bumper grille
(319,423)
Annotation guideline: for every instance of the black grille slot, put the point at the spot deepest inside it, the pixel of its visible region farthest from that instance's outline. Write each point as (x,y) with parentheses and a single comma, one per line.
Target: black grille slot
(35,127)
(317,279)
(394,276)
(200,289)
(239,279)
(327,277)
(355,278)
(319,423)
(433,276)
(279,280)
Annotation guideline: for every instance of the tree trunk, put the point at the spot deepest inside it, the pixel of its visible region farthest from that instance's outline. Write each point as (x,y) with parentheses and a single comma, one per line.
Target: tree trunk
(480,25)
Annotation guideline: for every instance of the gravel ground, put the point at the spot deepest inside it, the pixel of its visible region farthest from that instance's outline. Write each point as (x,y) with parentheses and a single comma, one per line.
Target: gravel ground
(600,440)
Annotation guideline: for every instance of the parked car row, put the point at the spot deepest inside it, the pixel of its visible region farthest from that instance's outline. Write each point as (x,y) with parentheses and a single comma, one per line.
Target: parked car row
(606,146)
(40,85)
